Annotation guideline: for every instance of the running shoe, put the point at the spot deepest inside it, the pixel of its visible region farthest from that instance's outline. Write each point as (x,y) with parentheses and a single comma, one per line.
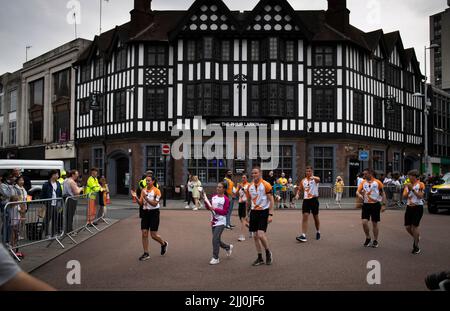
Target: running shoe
(416,250)
(187,207)
(164,248)
(195,209)
(144,257)
(318,236)
(367,242)
(214,261)
(269,258)
(258,262)
(241,238)
(230,250)
(375,244)
(302,238)
(228,227)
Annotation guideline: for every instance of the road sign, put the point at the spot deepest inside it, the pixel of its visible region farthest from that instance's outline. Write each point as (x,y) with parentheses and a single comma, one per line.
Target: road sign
(363,155)
(165,149)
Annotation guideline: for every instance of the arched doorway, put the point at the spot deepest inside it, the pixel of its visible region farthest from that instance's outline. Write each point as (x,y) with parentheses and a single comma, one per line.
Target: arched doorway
(119,169)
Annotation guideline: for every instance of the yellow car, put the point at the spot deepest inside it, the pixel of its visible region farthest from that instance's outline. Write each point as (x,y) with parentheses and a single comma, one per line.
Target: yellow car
(439,196)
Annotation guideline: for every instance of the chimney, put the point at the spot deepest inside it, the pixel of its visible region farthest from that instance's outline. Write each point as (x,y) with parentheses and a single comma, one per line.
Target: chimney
(141,15)
(337,15)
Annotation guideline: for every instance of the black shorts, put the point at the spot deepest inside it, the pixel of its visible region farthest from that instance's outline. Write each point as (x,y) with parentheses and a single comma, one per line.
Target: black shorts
(242,210)
(311,206)
(413,215)
(259,220)
(284,195)
(150,220)
(371,211)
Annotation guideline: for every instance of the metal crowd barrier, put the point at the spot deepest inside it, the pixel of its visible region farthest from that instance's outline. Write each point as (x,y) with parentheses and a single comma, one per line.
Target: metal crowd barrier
(83,214)
(29,223)
(347,199)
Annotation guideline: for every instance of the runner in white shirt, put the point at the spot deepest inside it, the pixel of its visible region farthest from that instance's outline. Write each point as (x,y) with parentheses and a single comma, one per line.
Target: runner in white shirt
(261,199)
(309,191)
(414,192)
(149,199)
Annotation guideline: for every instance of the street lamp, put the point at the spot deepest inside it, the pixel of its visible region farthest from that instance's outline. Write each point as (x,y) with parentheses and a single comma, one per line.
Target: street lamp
(427,107)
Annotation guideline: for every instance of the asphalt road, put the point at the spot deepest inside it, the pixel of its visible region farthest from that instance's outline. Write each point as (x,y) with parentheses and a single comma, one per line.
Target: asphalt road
(109,261)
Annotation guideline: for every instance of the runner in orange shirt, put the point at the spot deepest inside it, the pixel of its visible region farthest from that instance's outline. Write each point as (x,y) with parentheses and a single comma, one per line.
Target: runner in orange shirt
(309,190)
(371,192)
(414,193)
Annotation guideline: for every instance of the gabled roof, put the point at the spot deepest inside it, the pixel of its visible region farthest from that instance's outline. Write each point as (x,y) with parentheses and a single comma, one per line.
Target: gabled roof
(195,7)
(284,4)
(411,58)
(164,26)
(375,39)
(392,40)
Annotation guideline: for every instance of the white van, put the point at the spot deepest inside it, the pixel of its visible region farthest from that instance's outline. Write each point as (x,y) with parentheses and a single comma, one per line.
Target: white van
(36,170)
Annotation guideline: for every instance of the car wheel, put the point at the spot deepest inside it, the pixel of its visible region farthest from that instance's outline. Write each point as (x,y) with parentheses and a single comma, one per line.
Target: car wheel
(432,209)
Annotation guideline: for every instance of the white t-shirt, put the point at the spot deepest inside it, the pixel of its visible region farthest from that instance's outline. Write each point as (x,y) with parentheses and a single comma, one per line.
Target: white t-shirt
(55,188)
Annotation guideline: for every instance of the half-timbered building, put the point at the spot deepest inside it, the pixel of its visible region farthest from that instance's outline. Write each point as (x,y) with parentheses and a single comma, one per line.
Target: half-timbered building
(329,89)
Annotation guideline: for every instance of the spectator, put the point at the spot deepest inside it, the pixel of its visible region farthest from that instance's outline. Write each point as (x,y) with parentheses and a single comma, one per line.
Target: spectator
(92,189)
(291,191)
(62,178)
(271,179)
(283,182)
(53,214)
(27,182)
(6,191)
(196,187)
(103,198)
(189,187)
(19,188)
(71,189)
(186,192)
(277,193)
(339,189)
(13,279)
(14,224)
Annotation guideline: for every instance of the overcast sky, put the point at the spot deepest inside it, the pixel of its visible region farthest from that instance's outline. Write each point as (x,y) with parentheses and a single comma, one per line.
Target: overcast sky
(43,24)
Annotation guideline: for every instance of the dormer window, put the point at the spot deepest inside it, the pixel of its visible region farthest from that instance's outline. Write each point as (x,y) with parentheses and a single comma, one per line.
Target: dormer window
(324,56)
(156,56)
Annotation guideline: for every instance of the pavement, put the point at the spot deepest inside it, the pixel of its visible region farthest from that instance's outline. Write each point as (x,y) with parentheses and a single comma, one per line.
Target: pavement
(109,260)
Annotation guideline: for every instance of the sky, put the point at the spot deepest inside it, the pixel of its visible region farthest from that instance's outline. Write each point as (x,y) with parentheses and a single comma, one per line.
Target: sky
(43,24)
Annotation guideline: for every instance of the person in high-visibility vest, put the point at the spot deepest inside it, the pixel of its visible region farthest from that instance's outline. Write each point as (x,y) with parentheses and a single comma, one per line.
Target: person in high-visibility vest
(92,188)
(62,177)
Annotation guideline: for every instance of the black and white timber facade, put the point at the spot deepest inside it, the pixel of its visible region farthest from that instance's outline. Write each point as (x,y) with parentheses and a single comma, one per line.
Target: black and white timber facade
(329,88)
